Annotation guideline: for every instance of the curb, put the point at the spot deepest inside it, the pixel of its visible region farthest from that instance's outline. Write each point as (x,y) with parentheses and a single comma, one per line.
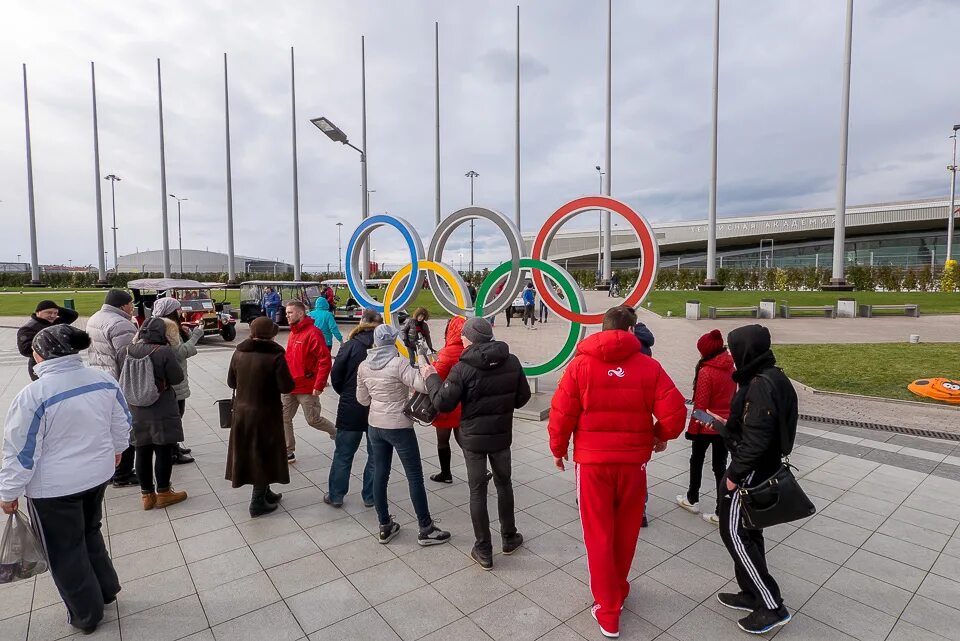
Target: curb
(911,431)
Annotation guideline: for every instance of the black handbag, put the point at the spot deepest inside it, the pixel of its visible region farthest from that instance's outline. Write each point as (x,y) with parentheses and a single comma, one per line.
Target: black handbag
(226,411)
(778,499)
(419,408)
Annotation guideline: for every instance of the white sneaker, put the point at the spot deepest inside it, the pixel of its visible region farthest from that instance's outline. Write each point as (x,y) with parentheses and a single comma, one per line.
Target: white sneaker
(693,508)
(712,519)
(593,613)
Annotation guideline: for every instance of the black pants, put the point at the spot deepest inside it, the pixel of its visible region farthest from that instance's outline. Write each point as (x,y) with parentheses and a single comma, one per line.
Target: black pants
(477,480)
(69,528)
(542,313)
(719,464)
(125,468)
(528,313)
(746,547)
(163,466)
(182,406)
(507,312)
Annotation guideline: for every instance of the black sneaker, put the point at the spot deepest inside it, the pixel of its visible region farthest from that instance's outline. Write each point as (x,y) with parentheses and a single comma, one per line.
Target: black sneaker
(738,601)
(433,536)
(483,559)
(329,501)
(644,523)
(182,459)
(126,481)
(440,477)
(182,449)
(291,457)
(762,620)
(274,497)
(389,531)
(511,543)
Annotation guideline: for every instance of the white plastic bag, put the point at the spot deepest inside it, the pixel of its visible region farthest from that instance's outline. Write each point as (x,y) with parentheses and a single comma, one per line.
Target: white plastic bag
(21,555)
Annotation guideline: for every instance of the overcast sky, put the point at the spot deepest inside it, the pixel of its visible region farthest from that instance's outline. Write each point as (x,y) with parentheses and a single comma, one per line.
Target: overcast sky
(780,68)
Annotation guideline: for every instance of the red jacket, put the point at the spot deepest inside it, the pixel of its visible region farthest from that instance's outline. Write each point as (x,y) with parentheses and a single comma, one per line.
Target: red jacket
(715,388)
(607,399)
(447,357)
(307,357)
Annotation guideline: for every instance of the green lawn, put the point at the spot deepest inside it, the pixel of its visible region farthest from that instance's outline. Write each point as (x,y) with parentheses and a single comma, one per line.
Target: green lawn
(673,301)
(882,370)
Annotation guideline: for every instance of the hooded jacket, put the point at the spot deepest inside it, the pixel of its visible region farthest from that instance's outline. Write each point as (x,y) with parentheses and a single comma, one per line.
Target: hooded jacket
(182,349)
(412,330)
(32,327)
(351,415)
(447,357)
(325,322)
(763,413)
(307,357)
(615,402)
(62,431)
(384,381)
(111,329)
(489,383)
(713,392)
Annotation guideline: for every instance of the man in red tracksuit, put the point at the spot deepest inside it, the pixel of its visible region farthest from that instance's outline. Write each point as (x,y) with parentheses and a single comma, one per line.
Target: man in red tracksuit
(619,406)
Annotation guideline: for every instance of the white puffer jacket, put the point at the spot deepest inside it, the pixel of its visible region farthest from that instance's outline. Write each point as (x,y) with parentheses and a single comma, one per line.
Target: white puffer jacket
(62,432)
(110,329)
(384,381)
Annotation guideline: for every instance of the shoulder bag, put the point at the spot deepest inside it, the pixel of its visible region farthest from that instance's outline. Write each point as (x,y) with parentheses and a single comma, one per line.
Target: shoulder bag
(778,499)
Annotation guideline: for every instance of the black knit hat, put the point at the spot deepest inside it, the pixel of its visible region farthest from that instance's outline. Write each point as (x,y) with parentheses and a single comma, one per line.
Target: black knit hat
(46,304)
(117,298)
(60,340)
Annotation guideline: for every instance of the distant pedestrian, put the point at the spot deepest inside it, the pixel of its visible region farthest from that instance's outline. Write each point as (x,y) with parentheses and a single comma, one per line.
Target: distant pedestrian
(257,453)
(384,381)
(447,422)
(619,406)
(508,312)
(309,361)
(157,428)
(529,298)
(762,426)
(111,329)
(415,329)
(713,388)
(324,320)
(184,345)
(46,314)
(489,384)
(331,297)
(614,289)
(63,436)
(352,417)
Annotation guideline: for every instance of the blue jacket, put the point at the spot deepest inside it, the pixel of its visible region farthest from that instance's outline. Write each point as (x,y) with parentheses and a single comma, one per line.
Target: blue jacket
(529,296)
(271,300)
(325,322)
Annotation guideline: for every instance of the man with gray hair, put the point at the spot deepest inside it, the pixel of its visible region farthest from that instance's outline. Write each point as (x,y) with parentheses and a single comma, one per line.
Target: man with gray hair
(489,384)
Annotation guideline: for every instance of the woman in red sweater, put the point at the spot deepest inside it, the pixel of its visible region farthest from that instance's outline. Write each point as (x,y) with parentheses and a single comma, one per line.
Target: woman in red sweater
(445,423)
(713,388)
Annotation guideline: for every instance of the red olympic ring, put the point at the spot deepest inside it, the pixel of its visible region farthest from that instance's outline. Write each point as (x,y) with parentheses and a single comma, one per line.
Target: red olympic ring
(648,247)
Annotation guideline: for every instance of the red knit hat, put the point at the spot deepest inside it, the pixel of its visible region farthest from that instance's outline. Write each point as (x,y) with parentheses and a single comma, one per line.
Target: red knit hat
(710,343)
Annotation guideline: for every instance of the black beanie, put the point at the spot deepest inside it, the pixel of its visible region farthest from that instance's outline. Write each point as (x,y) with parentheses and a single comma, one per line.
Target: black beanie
(60,340)
(46,304)
(117,298)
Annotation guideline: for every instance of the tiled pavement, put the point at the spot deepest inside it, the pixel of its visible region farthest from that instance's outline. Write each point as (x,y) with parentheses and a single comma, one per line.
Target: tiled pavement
(880,560)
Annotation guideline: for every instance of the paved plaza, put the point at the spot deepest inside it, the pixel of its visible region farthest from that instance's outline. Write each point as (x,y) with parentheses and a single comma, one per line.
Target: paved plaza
(880,559)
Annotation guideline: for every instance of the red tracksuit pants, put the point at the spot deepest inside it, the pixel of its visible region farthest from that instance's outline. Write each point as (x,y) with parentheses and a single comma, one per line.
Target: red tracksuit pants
(612,500)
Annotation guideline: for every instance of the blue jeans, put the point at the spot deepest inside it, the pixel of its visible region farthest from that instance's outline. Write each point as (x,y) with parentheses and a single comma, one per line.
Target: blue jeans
(404,441)
(346,445)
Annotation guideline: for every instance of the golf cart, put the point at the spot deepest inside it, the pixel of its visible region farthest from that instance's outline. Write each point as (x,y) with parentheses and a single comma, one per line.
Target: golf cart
(349,310)
(252,293)
(196,305)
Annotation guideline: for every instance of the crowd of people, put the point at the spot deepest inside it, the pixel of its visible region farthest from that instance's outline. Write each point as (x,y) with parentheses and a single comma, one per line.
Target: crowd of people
(77,428)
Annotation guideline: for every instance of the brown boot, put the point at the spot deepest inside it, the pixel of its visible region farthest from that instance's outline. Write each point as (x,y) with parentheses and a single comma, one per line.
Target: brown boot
(149,500)
(169,497)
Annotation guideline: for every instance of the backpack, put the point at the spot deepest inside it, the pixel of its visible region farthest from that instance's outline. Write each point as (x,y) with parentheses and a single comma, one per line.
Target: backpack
(137,381)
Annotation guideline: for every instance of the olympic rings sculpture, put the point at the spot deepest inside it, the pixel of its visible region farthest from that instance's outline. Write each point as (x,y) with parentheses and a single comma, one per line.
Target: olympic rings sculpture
(451,292)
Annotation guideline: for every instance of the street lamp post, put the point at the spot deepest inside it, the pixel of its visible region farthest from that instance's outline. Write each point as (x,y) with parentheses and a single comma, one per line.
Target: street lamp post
(114,179)
(179,230)
(336,134)
(471,175)
(953,191)
(600,233)
(339,248)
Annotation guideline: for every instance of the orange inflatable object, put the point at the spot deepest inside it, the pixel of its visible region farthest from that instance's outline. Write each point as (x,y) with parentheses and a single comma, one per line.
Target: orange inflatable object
(940,389)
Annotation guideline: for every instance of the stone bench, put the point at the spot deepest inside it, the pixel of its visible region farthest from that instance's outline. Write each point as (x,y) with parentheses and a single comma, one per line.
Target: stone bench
(828,311)
(741,311)
(866,311)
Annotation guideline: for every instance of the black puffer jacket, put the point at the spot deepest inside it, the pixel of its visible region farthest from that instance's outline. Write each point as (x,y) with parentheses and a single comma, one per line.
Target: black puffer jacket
(351,415)
(763,413)
(33,326)
(489,383)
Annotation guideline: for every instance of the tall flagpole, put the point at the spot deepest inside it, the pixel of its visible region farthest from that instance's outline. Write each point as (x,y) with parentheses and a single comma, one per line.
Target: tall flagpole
(363,158)
(163,180)
(31,205)
(607,240)
(436,61)
(296,184)
(711,279)
(516,176)
(838,279)
(231,271)
(101,259)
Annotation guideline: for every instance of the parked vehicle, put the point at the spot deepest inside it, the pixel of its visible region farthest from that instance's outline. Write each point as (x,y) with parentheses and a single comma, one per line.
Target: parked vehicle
(196,304)
(348,309)
(252,293)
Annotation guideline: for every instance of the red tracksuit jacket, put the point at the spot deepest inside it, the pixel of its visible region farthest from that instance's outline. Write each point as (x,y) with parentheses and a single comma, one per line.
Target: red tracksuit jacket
(308,357)
(715,389)
(607,399)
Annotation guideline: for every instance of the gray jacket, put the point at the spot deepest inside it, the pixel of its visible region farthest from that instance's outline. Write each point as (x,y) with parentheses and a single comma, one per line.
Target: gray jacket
(383,383)
(183,349)
(111,329)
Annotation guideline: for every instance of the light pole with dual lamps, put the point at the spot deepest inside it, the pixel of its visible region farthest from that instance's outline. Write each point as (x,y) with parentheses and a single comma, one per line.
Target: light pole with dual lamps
(471,175)
(600,233)
(953,191)
(339,248)
(179,231)
(114,179)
